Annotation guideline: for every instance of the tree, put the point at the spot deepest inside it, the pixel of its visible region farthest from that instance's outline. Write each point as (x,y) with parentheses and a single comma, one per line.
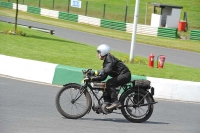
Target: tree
(16,16)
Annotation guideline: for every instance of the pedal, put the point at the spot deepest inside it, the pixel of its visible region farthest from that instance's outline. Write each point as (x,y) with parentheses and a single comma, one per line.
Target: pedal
(117,113)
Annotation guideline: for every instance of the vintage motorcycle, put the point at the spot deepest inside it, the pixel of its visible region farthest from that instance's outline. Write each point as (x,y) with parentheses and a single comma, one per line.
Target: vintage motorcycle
(73,101)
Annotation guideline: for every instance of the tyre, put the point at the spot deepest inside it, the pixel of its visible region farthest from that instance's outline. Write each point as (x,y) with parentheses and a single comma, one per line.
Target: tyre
(72,102)
(131,111)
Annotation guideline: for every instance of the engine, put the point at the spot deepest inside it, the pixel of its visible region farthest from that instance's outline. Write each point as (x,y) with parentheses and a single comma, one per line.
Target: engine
(101,108)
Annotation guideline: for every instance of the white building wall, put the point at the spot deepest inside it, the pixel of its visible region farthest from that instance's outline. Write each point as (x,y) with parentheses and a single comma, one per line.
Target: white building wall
(172,21)
(156,20)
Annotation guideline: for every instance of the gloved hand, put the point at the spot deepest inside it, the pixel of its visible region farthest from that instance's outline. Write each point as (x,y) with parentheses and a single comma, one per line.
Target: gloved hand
(100,73)
(93,73)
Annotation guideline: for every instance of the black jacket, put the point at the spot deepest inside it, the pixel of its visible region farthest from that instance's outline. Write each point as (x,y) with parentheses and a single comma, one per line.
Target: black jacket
(111,67)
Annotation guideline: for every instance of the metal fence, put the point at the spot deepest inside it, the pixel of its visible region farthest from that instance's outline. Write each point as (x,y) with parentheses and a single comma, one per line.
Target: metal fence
(122,13)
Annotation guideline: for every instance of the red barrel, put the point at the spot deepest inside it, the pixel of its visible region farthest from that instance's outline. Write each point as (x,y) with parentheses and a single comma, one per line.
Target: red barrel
(181,25)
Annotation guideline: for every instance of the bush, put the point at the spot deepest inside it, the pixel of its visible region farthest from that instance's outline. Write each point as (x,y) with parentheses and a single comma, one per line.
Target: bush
(134,61)
(11,32)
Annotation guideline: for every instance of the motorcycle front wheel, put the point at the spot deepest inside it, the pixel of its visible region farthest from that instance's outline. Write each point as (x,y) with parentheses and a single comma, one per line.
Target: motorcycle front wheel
(73,101)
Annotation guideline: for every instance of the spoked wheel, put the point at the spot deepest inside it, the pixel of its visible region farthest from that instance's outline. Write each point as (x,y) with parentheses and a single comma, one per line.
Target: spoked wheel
(73,102)
(137,106)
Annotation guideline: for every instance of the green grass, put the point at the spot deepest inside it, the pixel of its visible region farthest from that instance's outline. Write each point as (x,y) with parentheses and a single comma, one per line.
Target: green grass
(188,45)
(41,46)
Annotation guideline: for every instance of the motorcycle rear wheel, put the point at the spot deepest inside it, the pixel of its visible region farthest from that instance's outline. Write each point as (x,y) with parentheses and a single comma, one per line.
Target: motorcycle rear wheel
(72,102)
(133,112)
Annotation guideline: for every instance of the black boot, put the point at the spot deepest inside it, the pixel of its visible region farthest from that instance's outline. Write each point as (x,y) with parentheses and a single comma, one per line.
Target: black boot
(106,97)
(114,99)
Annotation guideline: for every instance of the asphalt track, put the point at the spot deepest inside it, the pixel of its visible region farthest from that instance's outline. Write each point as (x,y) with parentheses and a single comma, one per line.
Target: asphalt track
(27,107)
(174,56)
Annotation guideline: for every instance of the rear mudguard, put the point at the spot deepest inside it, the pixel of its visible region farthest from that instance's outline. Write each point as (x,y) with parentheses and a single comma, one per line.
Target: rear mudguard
(122,95)
(120,98)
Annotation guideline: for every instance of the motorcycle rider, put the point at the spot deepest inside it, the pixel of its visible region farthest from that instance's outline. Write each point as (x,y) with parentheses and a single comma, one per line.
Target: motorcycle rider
(117,70)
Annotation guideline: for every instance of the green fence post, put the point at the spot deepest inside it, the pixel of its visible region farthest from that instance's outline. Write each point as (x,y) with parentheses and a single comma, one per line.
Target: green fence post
(104,10)
(53,5)
(125,14)
(39,3)
(86,8)
(68,6)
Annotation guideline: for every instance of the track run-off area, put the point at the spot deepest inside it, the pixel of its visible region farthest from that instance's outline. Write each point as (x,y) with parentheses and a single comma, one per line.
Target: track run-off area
(29,107)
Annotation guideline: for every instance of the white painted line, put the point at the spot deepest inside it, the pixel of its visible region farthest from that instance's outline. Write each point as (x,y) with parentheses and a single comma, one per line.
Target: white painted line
(24,80)
(179,101)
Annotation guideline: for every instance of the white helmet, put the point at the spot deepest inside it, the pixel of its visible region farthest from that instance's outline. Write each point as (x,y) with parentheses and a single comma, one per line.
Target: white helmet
(103,49)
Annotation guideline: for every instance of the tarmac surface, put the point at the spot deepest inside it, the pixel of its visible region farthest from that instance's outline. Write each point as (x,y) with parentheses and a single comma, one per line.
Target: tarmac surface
(27,107)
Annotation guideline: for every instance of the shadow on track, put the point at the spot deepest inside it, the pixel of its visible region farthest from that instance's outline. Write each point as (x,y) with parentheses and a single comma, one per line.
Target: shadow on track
(118,120)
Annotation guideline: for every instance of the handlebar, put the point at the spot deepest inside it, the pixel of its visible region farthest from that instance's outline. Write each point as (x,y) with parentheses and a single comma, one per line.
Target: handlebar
(86,71)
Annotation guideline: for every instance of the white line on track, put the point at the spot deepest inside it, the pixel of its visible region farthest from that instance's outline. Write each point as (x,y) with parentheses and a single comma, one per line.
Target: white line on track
(9,77)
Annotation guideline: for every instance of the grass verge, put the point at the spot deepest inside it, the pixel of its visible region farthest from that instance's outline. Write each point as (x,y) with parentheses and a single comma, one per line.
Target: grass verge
(37,45)
(188,45)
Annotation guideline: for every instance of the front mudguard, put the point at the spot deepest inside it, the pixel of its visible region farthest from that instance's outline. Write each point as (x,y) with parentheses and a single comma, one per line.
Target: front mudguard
(71,84)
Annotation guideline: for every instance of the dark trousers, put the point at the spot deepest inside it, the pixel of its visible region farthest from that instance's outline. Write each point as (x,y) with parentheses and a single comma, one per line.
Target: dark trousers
(111,94)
